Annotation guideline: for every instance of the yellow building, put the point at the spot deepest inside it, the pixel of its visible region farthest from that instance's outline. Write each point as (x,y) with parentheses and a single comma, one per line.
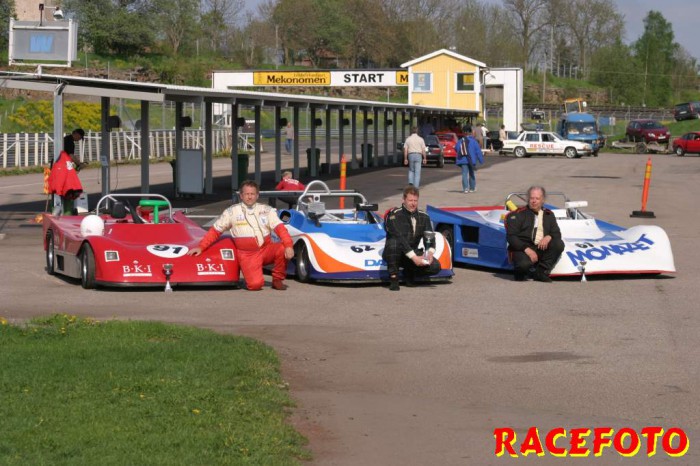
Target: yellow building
(446,79)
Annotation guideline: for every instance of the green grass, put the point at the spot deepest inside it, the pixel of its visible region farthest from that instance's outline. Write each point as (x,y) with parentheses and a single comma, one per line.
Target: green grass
(77,392)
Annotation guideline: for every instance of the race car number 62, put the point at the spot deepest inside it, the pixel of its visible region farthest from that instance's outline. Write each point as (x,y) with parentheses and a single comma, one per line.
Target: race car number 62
(167,251)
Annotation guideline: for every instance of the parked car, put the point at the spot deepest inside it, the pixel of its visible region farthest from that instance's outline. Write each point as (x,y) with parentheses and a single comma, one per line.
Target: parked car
(529,143)
(689,143)
(436,153)
(494,143)
(448,141)
(686,111)
(647,131)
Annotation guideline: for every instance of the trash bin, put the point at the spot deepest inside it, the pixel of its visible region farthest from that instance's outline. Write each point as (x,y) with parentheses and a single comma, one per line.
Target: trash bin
(308,161)
(243,160)
(366,154)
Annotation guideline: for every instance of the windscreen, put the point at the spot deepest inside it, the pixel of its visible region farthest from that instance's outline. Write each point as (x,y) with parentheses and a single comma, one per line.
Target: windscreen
(581,128)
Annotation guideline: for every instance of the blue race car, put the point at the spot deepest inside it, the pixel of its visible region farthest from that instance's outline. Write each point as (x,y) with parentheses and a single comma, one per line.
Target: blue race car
(477,237)
(336,243)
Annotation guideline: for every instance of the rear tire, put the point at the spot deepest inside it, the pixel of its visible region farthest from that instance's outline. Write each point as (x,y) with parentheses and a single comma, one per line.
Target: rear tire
(520,152)
(303,268)
(87,267)
(50,254)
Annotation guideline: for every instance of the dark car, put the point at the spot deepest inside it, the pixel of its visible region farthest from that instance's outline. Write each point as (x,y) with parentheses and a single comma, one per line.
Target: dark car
(647,131)
(689,143)
(435,150)
(686,111)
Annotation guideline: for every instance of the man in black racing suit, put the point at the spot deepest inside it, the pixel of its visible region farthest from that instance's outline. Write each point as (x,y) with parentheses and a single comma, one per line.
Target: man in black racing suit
(534,237)
(405,227)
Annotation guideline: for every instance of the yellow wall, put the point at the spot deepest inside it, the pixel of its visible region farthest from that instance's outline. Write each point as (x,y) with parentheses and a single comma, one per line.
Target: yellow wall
(444,90)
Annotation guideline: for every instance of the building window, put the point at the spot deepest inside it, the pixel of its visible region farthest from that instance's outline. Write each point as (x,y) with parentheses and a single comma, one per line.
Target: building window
(465,81)
(422,82)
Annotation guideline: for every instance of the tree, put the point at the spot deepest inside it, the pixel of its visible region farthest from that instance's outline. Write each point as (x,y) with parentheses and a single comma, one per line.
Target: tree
(7,11)
(615,68)
(592,24)
(655,50)
(218,20)
(107,26)
(528,19)
(178,21)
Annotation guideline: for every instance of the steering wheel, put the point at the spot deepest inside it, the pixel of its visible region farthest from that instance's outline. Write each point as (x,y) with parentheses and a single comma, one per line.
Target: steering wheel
(156,204)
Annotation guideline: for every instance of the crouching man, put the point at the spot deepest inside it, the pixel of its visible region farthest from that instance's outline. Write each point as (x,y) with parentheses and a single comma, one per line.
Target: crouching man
(534,237)
(251,225)
(405,227)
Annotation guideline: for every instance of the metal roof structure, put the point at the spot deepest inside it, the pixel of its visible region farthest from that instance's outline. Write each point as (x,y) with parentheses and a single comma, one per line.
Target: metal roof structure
(106,89)
(155,92)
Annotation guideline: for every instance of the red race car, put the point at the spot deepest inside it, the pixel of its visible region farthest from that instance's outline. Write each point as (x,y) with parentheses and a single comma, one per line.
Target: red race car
(689,143)
(449,141)
(142,246)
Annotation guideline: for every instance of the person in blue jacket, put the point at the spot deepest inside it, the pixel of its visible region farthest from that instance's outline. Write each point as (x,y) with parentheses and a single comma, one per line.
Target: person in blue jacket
(468,156)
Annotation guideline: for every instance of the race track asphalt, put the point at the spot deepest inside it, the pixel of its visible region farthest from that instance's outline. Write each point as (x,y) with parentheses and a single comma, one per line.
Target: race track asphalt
(425,375)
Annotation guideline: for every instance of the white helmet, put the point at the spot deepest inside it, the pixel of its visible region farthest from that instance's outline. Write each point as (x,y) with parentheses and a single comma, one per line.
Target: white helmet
(92,225)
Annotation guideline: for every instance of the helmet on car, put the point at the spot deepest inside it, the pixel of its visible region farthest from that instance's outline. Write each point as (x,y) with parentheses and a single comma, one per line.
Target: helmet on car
(92,225)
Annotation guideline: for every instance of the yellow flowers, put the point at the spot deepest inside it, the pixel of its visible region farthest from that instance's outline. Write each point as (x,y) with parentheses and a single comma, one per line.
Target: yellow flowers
(196,412)
(3,321)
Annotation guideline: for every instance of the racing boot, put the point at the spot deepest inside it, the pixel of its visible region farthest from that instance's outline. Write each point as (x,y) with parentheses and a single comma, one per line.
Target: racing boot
(394,283)
(541,275)
(278,284)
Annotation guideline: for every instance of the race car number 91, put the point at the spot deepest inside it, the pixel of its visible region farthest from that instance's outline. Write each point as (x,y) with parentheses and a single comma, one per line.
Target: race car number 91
(167,251)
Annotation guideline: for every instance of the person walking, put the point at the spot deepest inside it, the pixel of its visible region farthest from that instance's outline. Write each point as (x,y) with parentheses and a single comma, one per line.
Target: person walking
(289,141)
(469,154)
(414,156)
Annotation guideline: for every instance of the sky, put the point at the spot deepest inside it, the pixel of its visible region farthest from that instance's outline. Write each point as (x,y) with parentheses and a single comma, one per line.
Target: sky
(684,16)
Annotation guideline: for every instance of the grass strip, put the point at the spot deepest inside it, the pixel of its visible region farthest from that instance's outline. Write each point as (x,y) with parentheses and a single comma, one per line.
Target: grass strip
(77,391)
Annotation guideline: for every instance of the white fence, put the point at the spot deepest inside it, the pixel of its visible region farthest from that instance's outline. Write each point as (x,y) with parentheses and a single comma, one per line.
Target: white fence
(24,150)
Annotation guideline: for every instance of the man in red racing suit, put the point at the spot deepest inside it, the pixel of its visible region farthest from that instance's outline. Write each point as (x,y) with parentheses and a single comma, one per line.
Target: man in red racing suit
(251,225)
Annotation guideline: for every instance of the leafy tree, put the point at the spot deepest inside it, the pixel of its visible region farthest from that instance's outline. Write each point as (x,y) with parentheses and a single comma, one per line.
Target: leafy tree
(7,11)
(655,50)
(178,23)
(123,27)
(615,68)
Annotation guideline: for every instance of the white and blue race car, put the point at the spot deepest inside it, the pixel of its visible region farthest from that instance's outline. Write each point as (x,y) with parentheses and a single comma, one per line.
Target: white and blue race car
(592,247)
(335,243)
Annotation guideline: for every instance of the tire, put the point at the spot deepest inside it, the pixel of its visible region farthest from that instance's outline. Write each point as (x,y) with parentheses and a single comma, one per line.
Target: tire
(570,153)
(441,162)
(448,232)
(520,152)
(679,151)
(595,153)
(50,254)
(303,267)
(87,267)
(640,148)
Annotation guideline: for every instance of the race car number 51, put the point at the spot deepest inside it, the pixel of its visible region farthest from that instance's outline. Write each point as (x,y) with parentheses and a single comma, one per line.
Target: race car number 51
(167,251)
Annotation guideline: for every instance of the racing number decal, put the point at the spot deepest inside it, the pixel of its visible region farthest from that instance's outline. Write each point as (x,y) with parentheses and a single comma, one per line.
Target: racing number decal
(361,248)
(167,251)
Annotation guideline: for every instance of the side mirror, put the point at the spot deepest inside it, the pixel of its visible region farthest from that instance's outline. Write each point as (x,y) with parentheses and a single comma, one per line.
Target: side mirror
(367,207)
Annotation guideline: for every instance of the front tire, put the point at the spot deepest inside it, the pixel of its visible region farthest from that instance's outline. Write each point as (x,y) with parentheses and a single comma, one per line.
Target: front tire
(303,264)
(87,267)
(50,254)
(570,153)
(520,152)
(441,162)
(448,232)
(679,151)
